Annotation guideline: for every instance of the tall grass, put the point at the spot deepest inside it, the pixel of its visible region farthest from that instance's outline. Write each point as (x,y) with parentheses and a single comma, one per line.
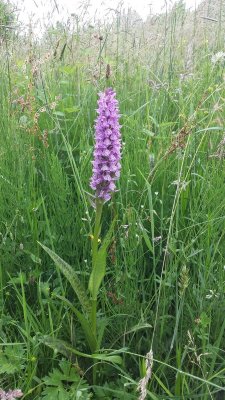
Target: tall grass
(164,287)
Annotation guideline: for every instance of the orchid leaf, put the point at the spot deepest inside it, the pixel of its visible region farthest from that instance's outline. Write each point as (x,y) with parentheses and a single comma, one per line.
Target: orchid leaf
(71,276)
(99,269)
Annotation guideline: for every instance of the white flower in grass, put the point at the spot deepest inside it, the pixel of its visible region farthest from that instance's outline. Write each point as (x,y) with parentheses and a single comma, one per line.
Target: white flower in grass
(212,293)
(220,56)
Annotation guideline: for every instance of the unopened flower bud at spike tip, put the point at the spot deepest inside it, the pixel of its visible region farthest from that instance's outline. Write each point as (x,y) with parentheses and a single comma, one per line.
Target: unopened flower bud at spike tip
(107,153)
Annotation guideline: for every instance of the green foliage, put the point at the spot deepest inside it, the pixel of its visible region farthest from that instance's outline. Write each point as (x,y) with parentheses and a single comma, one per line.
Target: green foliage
(91,340)
(163,286)
(99,267)
(64,383)
(68,351)
(71,276)
(12,359)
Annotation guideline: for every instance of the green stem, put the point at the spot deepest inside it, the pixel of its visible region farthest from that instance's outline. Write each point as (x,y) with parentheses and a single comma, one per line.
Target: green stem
(97,229)
(98,215)
(93,316)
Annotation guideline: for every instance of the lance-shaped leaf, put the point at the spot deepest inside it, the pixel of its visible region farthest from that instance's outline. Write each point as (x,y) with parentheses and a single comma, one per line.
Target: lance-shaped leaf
(69,352)
(71,276)
(99,268)
(91,340)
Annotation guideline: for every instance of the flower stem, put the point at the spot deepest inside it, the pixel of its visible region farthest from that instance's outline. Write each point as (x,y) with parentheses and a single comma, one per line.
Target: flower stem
(97,229)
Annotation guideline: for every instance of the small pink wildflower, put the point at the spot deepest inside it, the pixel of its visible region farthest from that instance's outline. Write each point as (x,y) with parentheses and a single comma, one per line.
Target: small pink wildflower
(11,394)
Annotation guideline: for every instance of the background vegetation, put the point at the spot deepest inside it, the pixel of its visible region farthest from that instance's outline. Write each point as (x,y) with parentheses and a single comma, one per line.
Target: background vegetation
(164,287)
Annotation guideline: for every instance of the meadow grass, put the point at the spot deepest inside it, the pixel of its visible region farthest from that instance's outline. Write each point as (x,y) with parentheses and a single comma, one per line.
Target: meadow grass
(164,283)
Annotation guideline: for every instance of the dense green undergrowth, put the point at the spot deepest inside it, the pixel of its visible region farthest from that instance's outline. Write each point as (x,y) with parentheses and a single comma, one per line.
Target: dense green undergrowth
(164,283)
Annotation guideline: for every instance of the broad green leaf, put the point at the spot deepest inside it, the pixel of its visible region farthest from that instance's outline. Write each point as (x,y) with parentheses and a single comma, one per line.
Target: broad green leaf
(65,348)
(84,323)
(71,276)
(109,358)
(65,372)
(101,330)
(55,393)
(98,271)
(65,383)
